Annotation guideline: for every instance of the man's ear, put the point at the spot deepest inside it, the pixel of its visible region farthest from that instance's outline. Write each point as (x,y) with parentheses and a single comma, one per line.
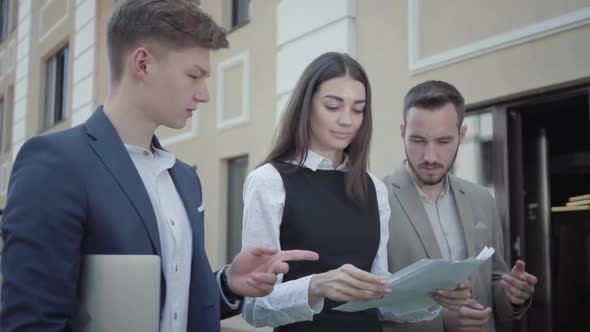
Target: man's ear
(138,62)
(462,133)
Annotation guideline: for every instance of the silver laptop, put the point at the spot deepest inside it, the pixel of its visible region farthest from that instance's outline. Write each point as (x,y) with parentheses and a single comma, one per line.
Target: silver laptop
(119,293)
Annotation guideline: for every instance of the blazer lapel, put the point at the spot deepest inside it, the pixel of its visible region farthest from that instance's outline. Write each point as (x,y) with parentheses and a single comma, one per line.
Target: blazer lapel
(465,214)
(181,181)
(107,144)
(410,202)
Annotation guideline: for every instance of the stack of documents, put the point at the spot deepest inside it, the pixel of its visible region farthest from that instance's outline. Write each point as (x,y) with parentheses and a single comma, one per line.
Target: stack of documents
(575,203)
(412,287)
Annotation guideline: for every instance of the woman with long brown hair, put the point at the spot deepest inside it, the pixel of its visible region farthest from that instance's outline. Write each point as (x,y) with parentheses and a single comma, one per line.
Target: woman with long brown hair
(313,192)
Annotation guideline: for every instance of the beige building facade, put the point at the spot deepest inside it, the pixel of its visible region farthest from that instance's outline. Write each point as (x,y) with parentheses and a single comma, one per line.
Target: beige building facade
(54,73)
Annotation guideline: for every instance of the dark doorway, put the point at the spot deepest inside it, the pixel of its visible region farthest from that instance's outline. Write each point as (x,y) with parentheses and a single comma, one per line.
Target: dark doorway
(548,166)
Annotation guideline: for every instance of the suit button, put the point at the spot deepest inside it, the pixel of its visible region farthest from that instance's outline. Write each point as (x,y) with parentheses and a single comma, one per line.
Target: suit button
(175,316)
(176,268)
(172,222)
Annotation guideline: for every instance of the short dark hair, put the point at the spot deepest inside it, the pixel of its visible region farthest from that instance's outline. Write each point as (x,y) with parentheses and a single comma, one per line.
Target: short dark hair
(173,23)
(432,95)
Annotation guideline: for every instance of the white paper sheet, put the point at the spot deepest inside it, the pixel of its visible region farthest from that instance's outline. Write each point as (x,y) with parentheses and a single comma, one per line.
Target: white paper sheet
(412,287)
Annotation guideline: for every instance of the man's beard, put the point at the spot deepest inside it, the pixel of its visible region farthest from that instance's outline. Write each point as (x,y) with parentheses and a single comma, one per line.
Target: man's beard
(427,181)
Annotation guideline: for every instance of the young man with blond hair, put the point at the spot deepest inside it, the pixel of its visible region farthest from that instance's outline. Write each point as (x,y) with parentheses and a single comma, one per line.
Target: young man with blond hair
(108,187)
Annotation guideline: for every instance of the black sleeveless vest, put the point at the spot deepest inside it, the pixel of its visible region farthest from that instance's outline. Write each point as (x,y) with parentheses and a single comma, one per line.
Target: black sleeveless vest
(318,216)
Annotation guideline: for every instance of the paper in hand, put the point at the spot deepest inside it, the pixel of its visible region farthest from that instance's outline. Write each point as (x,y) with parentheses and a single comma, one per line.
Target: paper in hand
(412,286)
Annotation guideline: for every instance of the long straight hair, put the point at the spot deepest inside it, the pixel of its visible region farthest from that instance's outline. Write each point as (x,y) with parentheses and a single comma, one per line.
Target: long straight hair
(292,138)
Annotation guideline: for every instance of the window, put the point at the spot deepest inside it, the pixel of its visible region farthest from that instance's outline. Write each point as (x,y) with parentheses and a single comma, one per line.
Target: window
(237,169)
(4,17)
(475,159)
(240,12)
(56,91)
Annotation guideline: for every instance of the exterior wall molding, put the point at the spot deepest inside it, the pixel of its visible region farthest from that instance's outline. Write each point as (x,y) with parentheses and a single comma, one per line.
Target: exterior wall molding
(43,31)
(3,65)
(487,45)
(84,64)
(329,26)
(22,71)
(11,56)
(4,177)
(242,58)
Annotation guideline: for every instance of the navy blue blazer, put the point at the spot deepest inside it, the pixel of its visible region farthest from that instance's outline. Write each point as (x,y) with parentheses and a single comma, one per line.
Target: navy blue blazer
(75,193)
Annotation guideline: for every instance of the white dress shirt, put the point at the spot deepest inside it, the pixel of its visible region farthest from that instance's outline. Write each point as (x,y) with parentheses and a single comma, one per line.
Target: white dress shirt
(175,233)
(264,200)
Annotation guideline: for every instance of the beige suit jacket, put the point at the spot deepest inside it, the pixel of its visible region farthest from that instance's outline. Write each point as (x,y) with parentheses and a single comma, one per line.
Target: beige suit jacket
(411,238)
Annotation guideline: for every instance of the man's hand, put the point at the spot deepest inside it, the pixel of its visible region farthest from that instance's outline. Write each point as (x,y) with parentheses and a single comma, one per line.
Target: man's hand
(346,283)
(253,272)
(519,285)
(453,299)
(472,317)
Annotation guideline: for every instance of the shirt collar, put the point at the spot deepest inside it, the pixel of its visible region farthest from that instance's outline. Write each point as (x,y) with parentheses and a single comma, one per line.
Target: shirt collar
(164,159)
(315,161)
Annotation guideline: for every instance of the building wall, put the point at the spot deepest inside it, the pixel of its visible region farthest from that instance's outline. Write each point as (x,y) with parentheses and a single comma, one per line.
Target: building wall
(532,45)
(52,28)
(21,76)
(514,49)
(41,29)
(8,69)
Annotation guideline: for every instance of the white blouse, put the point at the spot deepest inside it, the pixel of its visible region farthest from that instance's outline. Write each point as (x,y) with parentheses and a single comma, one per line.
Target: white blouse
(264,200)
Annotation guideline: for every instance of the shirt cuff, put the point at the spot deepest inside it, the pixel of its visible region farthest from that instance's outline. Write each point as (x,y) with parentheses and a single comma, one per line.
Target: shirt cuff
(315,308)
(232,305)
